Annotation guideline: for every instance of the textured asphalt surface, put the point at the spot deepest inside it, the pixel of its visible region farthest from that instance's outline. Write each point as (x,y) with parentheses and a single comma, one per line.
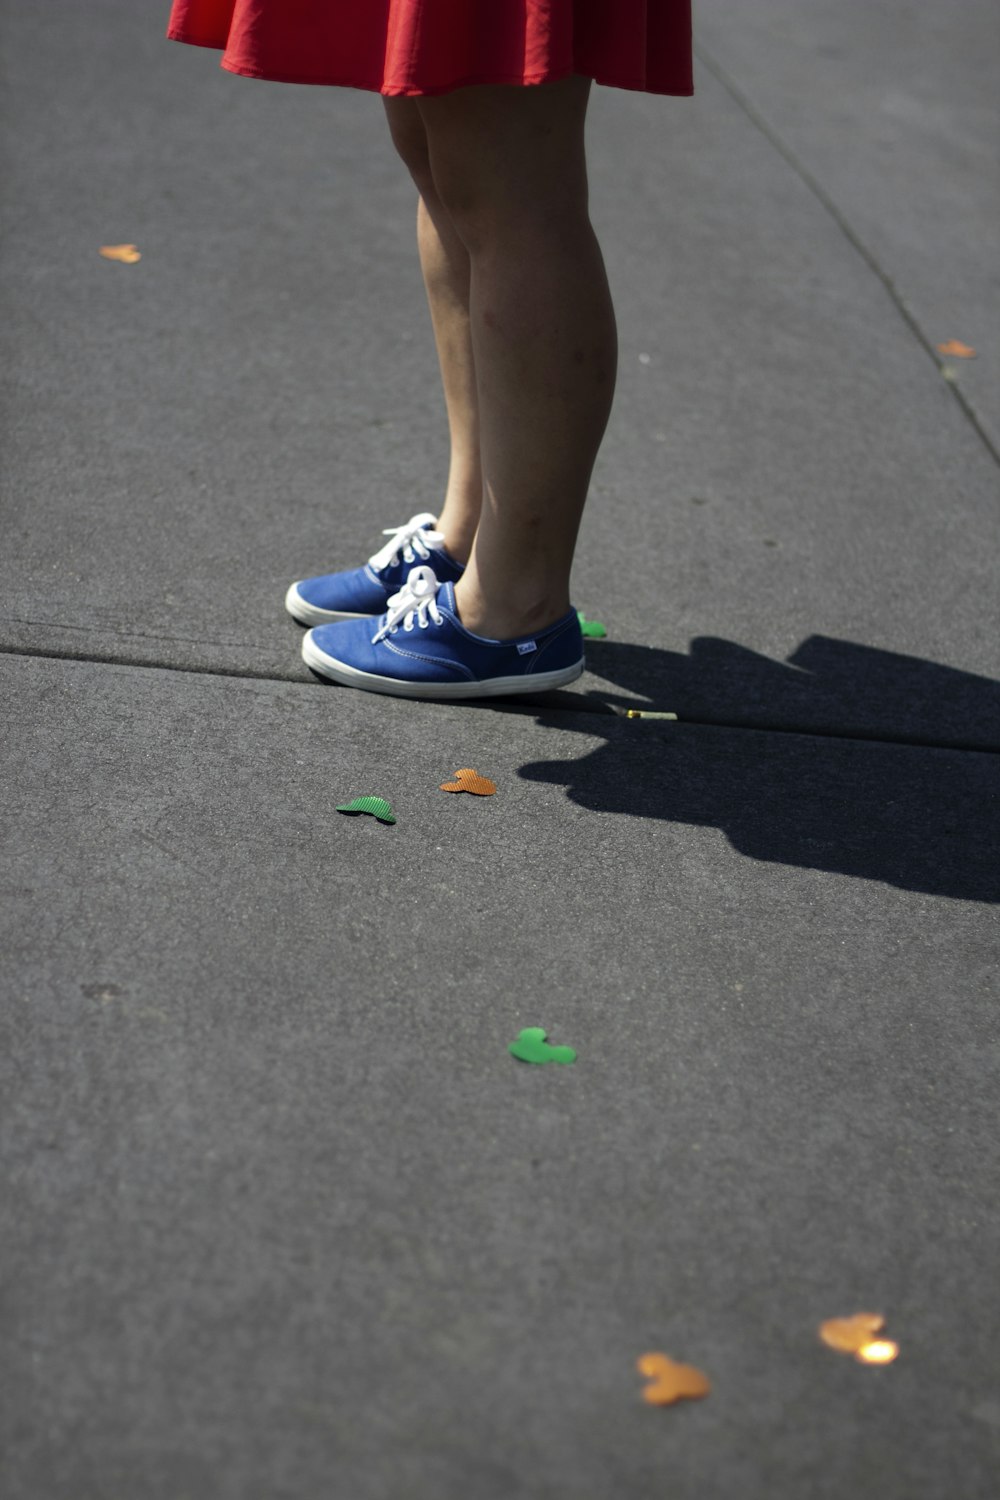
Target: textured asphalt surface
(281,1217)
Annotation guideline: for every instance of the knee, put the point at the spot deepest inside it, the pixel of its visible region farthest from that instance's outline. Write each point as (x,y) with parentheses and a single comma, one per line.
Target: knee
(487,222)
(446,188)
(488,206)
(410,140)
(467,201)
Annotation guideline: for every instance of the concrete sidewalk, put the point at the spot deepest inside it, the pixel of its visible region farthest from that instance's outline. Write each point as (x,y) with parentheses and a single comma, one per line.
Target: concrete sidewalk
(283,1217)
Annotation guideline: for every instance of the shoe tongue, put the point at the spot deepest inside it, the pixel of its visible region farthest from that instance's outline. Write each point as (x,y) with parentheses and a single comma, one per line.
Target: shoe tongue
(422,583)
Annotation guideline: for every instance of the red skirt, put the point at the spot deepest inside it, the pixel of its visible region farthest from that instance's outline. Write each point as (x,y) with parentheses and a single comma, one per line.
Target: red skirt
(430,46)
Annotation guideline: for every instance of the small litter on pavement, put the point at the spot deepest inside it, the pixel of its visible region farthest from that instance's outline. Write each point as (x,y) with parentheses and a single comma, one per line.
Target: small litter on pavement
(670,1381)
(129,254)
(592,628)
(857,1335)
(378,807)
(531,1047)
(468,780)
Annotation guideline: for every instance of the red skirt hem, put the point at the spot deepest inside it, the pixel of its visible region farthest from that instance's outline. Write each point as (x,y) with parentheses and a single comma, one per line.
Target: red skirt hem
(423,53)
(444,88)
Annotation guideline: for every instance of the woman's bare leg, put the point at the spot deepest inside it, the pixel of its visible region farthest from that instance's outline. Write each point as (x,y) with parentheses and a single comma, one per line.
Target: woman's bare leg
(508,168)
(444,261)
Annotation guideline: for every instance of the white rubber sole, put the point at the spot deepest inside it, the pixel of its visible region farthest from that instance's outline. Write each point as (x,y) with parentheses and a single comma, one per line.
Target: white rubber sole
(493,687)
(309,614)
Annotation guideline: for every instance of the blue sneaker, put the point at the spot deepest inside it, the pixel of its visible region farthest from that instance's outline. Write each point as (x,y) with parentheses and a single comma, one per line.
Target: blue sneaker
(367,590)
(420,649)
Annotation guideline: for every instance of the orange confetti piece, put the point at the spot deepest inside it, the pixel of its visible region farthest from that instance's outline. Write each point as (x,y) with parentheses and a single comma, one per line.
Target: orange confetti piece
(848,1335)
(127,253)
(957,349)
(468,780)
(670,1381)
(878,1352)
(856,1335)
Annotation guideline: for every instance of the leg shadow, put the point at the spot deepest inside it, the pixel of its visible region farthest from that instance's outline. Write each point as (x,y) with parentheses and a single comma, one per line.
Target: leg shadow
(892,773)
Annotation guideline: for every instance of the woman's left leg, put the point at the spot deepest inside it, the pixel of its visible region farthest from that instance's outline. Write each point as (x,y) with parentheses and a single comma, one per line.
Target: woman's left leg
(444,262)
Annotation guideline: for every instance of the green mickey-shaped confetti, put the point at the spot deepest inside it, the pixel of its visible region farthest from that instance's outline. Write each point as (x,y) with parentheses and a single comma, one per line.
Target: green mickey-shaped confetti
(531,1047)
(593,628)
(377,806)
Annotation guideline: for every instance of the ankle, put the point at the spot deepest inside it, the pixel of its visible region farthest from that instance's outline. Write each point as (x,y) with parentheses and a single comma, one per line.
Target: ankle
(457,545)
(459,517)
(503,620)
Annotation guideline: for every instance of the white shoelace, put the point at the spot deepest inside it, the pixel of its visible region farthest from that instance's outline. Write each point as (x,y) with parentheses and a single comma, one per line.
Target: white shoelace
(412,540)
(413,604)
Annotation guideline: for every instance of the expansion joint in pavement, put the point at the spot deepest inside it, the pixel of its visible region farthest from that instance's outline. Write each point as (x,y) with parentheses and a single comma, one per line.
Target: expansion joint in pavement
(850,234)
(561,702)
(198,669)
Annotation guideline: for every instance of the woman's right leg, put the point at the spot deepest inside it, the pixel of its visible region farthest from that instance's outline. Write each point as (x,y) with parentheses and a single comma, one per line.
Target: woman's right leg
(509,165)
(444,262)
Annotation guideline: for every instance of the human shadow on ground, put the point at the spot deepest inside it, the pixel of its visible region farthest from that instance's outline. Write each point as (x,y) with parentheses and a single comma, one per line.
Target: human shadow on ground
(880,766)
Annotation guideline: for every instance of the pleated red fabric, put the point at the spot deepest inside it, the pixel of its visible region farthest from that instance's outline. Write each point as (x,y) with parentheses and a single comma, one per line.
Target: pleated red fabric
(412,47)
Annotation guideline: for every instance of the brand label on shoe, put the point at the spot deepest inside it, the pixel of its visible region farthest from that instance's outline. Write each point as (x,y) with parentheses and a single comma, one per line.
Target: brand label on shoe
(525,648)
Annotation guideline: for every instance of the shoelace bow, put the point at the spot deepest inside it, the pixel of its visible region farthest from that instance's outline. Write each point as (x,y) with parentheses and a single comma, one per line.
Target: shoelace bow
(415,601)
(412,540)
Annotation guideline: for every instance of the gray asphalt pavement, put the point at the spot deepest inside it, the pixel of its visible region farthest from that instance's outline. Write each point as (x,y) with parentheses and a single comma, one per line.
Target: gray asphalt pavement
(282,1218)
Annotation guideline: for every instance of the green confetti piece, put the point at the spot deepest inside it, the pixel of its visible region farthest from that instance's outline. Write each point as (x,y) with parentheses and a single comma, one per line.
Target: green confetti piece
(592,628)
(531,1047)
(377,806)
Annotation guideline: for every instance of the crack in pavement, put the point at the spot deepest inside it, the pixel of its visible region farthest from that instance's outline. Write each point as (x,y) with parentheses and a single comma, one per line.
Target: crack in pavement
(559,701)
(872,261)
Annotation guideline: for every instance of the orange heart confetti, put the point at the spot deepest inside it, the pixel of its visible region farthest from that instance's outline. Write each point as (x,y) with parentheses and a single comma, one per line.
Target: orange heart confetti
(127,253)
(468,780)
(957,349)
(856,1335)
(670,1382)
(848,1335)
(878,1352)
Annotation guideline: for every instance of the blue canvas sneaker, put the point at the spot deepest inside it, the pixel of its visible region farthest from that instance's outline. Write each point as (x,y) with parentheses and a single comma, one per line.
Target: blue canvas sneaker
(420,649)
(367,590)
